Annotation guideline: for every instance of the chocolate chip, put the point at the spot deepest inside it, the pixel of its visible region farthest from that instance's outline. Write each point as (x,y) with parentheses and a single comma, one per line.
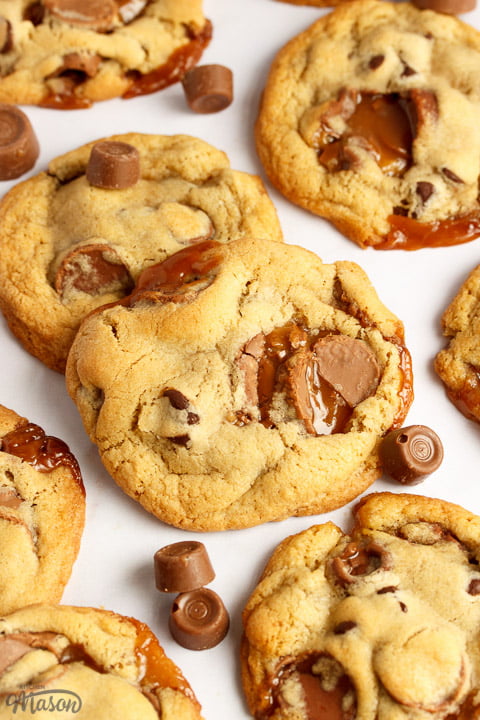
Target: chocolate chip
(208,88)
(474,587)
(97,15)
(19,148)
(182,566)
(387,589)
(34,13)
(408,71)
(344,627)
(93,269)
(451,175)
(179,402)
(198,619)
(182,440)
(424,189)
(6,35)
(113,165)
(403,607)
(400,210)
(409,454)
(450,7)
(376,61)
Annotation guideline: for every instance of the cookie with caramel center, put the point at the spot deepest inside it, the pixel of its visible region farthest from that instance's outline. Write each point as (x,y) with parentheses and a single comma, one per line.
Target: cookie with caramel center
(363,121)
(79,235)
(42,512)
(240,383)
(378,623)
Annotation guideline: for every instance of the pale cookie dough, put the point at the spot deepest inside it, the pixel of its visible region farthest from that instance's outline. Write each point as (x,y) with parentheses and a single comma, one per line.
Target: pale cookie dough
(90,664)
(42,512)
(380,624)
(370,118)
(242,383)
(458,365)
(69,53)
(57,225)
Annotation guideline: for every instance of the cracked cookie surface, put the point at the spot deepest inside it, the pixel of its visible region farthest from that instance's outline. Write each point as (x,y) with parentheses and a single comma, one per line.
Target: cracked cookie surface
(370,119)
(69,246)
(69,53)
(42,509)
(229,390)
(378,624)
(458,365)
(94,662)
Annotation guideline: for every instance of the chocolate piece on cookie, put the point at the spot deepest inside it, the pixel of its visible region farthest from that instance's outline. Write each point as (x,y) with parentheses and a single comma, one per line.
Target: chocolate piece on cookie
(42,509)
(458,364)
(222,397)
(67,54)
(92,662)
(364,121)
(377,624)
(79,235)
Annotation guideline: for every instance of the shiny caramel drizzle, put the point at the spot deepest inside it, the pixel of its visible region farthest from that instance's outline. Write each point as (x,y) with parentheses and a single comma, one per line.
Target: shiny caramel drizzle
(385,122)
(44,452)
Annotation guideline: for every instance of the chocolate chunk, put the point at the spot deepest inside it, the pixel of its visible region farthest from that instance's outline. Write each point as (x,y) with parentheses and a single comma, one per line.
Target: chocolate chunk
(208,88)
(97,15)
(344,627)
(19,148)
(376,61)
(82,62)
(113,165)
(425,104)
(198,619)
(407,70)
(9,498)
(450,7)
(411,453)
(6,35)
(182,567)
(348,365)
(451,175)
(11,650)
(360,559)
(424,189)
(34,13)
(474,587)
(93,269)
(326,704)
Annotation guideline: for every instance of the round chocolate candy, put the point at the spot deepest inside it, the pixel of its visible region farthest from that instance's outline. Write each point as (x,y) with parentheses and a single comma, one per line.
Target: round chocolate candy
(208,88)
(411,453)
(19,146)
(198,619)
(450,7)
(182,566)
(113,165)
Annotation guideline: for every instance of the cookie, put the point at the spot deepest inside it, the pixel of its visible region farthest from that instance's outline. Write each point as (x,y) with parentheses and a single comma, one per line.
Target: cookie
(369,119)
(378,624)
(42,509)
(90,662)
(458,365)
(242,383)
(77,236)
(67,54)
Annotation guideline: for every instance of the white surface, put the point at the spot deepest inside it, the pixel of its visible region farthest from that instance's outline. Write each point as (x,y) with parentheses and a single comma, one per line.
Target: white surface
(114,569)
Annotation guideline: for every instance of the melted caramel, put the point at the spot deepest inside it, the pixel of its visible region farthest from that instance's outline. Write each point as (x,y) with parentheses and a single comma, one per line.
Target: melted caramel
(385,123)
(179,62)
(405,391)
(467,398)
(409,234)
(66,101)
(43,452)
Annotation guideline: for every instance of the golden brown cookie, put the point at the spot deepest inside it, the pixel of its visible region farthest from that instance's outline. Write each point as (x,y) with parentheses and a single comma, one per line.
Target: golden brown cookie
(62,661)
(78,236)
(458,365)
(67,54)
(378,624)
(242,383)
(42,509)
(370,119)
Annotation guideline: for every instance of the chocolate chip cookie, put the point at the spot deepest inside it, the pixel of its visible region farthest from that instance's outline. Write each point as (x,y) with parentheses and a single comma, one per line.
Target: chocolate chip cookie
(378,624)
(241,383)
(89,662)
(42,509)
(69,53)
(458,365)
(370,119)
(78,236)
